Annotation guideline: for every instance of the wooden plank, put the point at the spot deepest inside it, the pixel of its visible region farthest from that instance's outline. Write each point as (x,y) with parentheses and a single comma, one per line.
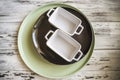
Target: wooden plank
(104,31)
(94,10)
(81,75)
(107,35)
(11,62)
(101,60)
(104,60)
(19,75)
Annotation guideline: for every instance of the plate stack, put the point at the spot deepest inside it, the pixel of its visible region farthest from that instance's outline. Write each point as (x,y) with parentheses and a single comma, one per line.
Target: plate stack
(55,40)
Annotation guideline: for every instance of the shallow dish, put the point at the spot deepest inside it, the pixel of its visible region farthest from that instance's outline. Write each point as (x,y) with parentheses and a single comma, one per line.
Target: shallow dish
(64,45)
(65,21)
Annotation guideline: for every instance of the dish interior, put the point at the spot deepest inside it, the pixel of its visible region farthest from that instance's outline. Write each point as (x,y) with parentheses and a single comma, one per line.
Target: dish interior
(64,20)
(63,45)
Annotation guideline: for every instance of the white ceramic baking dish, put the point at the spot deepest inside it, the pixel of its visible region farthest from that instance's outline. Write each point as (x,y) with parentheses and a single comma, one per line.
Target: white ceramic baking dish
(64,45)
(65,21)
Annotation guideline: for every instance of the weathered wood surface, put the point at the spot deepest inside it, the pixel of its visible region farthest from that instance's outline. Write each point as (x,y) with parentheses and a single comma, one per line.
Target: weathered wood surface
(100,60)
(83,75)
(108,10)
(104,16)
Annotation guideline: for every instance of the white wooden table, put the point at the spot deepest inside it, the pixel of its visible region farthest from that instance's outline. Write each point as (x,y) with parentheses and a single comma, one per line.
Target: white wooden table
(104,16)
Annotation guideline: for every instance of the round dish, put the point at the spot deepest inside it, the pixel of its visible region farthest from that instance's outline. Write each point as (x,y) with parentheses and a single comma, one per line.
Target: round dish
(41,28)
(29,54)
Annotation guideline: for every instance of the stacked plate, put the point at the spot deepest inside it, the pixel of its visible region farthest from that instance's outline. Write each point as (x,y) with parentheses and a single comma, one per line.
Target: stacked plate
(55,40)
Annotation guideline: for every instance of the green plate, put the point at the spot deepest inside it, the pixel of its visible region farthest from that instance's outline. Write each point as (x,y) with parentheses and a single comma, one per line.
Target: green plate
(30,56)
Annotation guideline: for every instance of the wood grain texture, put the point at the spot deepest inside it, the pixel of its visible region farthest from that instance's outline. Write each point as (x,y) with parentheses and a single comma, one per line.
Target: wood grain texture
(94,10)
(83,75)
(104,16)
(100,60)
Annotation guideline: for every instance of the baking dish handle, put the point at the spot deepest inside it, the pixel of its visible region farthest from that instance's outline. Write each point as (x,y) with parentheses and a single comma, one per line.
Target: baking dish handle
(78,33)
(81,54)
(46,36)
(48,14)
